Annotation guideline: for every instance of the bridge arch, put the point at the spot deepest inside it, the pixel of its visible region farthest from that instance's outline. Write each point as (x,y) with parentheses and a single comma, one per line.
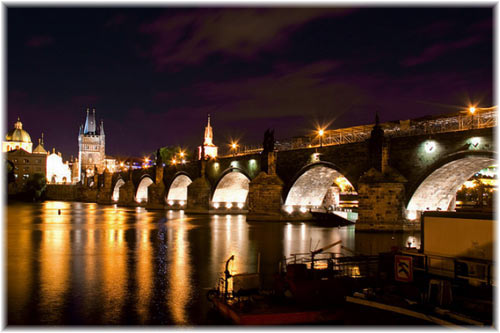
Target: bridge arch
(231,189)
(437,187)
(116,189)
(141,195)
(177,191)
(311,184)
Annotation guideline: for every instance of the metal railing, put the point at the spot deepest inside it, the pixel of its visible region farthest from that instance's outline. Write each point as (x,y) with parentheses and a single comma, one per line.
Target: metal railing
(461,122)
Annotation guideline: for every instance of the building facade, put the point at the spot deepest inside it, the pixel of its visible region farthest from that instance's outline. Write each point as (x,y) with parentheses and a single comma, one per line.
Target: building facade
(91,146)
(58,172)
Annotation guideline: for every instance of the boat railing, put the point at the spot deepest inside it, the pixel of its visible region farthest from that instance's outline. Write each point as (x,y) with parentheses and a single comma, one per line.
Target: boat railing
(470,269)
(337,263)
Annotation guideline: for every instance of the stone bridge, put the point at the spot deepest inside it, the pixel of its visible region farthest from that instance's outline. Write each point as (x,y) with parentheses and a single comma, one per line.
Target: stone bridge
(396,178)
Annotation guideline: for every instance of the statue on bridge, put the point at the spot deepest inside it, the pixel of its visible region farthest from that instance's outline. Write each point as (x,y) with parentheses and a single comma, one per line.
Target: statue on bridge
(159,160)
(268,144)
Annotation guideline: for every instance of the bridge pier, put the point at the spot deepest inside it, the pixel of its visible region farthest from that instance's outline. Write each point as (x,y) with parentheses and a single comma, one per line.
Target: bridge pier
(156,191)
(198,196)
(105,192)
(381,202)
(127,194)
(199,193)
(265,193)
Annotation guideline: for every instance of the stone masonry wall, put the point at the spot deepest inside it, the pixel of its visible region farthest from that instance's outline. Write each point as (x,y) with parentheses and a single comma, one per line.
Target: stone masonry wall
(380,204)
(62,192)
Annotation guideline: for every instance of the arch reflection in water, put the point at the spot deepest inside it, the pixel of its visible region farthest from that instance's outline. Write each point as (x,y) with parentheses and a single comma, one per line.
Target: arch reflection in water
(142,190)
(179,274)
(303,238)
(233,187)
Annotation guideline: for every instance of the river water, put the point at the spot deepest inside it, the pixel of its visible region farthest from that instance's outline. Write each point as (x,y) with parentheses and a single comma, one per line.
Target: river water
(73,263)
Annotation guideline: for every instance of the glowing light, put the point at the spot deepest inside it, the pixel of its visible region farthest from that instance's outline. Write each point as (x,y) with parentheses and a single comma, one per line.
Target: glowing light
(470,184)
(412,214)
(183,161)
(170,202)
(321,132)
(57,171)
(289,209)
(234,145)
(182,203)
(182,154)
(240,205)
(472,110)
(475,141)
(303,209)
(229,205)
(430,146)
(216,205)
(174,161)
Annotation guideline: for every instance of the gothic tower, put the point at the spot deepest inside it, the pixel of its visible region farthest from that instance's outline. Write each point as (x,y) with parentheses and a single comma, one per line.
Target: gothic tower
(91,146)
(209,149)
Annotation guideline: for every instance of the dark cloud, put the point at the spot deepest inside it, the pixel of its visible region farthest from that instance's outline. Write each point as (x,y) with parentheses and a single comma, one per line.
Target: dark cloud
(436,50)
(153,74)
(191,37)
(40,41)
(116,20)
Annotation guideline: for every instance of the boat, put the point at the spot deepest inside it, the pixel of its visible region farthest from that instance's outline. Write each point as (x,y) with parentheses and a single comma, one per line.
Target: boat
(330,218)
(308,289)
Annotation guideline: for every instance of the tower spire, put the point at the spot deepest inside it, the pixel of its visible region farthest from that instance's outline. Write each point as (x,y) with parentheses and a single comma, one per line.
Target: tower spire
(90,127)
(208,133)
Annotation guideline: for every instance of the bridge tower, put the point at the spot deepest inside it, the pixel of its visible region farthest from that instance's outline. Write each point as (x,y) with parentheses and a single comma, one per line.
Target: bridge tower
(91,144)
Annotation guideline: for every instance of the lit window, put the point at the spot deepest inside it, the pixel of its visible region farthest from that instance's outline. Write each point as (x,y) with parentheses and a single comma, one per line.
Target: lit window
(26,160)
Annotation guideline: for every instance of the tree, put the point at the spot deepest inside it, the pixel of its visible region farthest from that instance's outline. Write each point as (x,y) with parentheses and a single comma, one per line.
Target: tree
(10,172)
(35,186)
(168,153)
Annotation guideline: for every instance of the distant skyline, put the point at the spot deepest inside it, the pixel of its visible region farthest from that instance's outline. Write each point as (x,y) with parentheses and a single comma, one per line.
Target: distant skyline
(153,74)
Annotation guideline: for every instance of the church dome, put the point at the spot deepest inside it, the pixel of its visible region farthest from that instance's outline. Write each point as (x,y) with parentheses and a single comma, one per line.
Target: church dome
(18,134)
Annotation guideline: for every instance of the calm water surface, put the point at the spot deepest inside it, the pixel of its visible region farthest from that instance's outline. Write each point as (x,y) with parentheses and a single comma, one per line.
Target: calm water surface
(97,264)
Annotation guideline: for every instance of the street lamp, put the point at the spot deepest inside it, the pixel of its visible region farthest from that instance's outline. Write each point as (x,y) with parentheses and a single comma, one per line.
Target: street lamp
(472,109)
(321,132)
(234,146)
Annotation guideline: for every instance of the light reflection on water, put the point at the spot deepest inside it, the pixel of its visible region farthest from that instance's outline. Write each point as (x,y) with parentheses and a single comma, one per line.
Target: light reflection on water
(83,263)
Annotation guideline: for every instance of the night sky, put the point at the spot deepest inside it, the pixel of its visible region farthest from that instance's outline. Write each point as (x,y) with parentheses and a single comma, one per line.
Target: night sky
(153,74)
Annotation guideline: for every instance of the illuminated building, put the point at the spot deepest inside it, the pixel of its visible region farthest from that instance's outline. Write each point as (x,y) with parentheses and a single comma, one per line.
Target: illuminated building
(17,138)
(25,164)
(91,146)
(24,161)
(57,171)
(208,146)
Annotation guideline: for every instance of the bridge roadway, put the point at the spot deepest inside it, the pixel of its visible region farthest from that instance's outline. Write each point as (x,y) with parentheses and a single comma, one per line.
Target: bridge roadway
(396,178)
